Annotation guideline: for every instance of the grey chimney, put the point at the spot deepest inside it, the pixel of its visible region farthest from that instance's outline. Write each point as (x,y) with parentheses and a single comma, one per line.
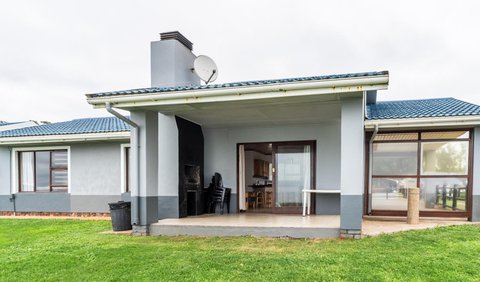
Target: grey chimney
(171,61)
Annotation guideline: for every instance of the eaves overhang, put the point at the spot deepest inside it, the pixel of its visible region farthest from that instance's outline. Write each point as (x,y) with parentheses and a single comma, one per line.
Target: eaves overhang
(242,93)
(66,138)
(430,122)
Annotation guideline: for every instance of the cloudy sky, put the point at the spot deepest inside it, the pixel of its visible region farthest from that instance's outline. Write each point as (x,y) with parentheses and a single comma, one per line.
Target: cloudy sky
(53,52)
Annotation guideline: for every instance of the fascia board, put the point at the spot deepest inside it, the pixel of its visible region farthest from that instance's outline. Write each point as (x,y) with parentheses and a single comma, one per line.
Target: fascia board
(245,92)
(460,121)
(64,138)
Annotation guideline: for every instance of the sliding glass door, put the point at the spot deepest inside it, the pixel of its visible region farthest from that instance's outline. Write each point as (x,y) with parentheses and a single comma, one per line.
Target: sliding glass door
(293,172)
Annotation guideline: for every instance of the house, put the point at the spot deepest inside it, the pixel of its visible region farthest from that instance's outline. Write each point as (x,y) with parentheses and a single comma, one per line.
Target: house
(14,125)
(77,166)
(325,133)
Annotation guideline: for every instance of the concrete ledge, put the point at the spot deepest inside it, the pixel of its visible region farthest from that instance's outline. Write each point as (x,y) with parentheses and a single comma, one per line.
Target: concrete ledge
(292,232)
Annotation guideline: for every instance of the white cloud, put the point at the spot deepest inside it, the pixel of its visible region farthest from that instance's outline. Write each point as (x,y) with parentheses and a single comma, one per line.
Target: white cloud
(53,52)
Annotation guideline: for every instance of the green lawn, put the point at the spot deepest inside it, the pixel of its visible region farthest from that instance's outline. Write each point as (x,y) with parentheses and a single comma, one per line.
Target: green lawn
(73,250)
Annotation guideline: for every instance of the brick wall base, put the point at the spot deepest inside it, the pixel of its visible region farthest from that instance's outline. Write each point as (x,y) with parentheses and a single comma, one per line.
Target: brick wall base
(55,214)
(350,234)
(140,230)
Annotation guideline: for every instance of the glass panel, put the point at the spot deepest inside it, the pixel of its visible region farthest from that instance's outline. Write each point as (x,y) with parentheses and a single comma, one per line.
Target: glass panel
(59,177)
(443,194)
(407,136)
(26,171)
(128,178)
(42,171)
(293,175)
(59,159)
(391,193)
(394,159)
(445,135)
(440,158)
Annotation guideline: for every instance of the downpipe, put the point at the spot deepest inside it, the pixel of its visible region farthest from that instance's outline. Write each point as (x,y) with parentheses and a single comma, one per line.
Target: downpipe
(136,129)
(12,199)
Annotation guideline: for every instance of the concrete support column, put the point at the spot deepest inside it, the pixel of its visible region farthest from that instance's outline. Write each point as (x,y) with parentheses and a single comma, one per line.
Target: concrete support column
(168,173)
(145,195)
(476,176)
(352,166)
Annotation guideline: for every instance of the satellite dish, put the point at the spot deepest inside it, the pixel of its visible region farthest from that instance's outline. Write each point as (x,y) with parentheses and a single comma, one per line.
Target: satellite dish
(205,68)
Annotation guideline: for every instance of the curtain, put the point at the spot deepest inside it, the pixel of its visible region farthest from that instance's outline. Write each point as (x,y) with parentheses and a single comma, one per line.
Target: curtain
(241,176)
(27,175)
(306,167)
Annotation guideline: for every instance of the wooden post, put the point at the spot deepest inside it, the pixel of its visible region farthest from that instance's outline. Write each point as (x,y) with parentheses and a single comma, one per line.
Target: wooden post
(413,212)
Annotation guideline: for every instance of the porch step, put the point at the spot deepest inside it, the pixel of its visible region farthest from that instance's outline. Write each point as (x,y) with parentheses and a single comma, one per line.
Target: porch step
(198,230)
(260,225)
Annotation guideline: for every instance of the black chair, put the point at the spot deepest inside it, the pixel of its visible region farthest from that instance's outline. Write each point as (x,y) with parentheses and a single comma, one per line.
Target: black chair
(219,195)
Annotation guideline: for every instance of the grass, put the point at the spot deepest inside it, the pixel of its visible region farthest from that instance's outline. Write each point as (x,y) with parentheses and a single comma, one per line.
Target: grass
(74,250)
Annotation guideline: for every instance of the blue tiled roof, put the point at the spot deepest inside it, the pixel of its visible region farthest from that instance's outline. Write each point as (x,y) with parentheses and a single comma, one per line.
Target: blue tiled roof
(440,107)
(234,84)
(76,126)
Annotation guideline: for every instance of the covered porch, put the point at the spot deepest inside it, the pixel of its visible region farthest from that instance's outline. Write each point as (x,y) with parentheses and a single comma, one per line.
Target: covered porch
(291,226)
(202,128)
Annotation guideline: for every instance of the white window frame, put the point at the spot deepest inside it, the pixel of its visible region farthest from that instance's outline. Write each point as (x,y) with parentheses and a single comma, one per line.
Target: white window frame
(123,167)
(14,166)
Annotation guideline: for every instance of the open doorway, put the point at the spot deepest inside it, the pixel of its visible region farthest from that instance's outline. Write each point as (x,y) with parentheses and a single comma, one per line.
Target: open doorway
(272,175)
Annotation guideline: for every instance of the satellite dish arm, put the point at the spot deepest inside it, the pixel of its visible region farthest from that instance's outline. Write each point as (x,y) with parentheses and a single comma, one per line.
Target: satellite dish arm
(213,73)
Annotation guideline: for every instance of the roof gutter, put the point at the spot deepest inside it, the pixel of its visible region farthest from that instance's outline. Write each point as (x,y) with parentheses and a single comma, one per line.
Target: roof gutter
(424,122)
(303,88)
(136,177)
(46,139)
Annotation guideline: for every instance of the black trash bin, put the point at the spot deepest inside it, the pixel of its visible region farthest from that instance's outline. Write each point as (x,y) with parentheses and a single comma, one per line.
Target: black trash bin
(121,218)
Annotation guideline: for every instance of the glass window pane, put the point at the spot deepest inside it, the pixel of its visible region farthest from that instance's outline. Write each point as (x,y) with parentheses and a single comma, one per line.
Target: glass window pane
(59,159)
(443,194)
(391,193)
(59,177)
(26,171)
(450,158)
(445,135)
(42,171)
(293,174)
(394,159)
(407,136)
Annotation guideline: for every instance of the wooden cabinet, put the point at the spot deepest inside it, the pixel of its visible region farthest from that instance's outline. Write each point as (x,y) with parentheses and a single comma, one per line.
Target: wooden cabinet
(261,168)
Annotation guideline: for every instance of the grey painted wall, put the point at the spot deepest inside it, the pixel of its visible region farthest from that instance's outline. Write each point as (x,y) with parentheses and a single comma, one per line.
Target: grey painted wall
(171,64)
(352,162)
(145,197)
(95,169)
(5,171)
(221,150)
(42,202)
(95,172)
(97,203)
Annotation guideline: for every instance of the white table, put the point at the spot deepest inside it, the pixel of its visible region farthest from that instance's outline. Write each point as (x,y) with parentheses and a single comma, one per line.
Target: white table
(307,199)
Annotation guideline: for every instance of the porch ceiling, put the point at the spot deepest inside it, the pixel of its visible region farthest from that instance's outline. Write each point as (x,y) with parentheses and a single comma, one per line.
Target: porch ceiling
(260,112)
